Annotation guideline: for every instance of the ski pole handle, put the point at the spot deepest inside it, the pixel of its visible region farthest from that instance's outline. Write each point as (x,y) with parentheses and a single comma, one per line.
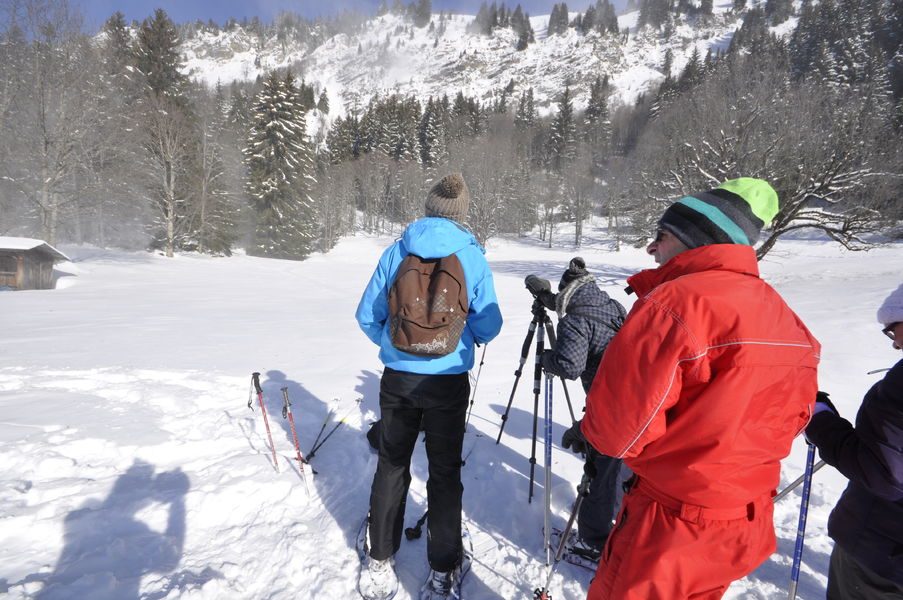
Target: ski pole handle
(255,379)
(285,403)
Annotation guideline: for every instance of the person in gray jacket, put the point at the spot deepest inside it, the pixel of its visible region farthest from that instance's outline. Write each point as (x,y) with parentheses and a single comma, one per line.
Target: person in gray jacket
(587,321)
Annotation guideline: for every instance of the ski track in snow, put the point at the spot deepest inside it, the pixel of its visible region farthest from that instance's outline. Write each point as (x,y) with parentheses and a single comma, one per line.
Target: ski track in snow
(130,470)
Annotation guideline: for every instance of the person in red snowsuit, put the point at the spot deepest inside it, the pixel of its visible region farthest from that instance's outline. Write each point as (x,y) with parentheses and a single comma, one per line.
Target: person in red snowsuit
(701,393)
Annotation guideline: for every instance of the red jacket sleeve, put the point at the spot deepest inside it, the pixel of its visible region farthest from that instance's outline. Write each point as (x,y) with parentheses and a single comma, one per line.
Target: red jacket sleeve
(640,378)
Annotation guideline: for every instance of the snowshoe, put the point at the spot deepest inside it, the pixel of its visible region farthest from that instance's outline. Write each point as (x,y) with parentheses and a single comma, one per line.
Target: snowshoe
(447,585)
(377,579)
(576,551)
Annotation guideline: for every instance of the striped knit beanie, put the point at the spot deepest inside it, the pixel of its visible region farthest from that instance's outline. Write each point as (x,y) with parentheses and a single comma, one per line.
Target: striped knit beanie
(449,198)
(733,213)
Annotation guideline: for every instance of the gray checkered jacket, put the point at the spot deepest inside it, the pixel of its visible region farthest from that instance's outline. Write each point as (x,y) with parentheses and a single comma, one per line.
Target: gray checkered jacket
(588,319)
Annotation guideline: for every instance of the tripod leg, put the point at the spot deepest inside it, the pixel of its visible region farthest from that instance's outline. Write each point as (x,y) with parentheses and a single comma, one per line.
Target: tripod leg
(524,351)
(552,341)
(537,383)
(567,397)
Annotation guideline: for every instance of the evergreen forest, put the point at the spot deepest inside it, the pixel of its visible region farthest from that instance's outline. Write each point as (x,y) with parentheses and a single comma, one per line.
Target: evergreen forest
(104,140)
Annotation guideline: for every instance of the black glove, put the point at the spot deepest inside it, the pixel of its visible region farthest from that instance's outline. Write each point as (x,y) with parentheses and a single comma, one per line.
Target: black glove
(547,360)
(823,403)
(573,439)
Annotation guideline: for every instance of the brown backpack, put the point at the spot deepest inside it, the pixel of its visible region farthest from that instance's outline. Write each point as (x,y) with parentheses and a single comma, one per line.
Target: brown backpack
(428,305)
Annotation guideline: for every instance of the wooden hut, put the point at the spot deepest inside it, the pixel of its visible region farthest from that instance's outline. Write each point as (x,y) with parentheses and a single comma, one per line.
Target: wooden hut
(27,264)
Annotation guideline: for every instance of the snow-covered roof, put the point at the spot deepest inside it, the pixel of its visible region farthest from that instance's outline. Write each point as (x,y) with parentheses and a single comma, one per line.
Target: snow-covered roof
(21,243)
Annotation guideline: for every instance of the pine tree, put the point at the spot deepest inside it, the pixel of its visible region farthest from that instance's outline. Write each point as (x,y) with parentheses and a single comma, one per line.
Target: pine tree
(606,18)
(215,219)
(588,21)
(239,115)
(423,13)
(118,40)
(170,132)
(520,22)
(669,62)
(778,11)
(323,102)
(481,23)
(431,136)
(653,12)
(525,115)
(280,169)
(692,73)
(563,135)
(158,57)
(558,20)
(597,126)
(344,140)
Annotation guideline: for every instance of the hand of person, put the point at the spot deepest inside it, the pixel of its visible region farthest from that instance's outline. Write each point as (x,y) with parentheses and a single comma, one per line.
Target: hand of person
(573,439)
(823,403)
(546,359)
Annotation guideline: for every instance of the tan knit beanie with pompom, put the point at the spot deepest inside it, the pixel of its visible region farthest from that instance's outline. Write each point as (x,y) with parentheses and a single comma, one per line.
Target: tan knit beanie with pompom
(449,198)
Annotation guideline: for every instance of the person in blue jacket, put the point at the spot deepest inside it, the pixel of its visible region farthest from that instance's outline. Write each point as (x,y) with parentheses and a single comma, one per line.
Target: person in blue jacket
(424,392)
(867,523)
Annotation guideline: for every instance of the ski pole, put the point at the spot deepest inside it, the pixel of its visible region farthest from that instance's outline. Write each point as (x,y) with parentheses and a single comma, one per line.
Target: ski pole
(582,492)
(323,426)
(473,395)
(414,533)
(548,466)
(801,528)
(287,412)
(795,484)
(255,381)
(313,450)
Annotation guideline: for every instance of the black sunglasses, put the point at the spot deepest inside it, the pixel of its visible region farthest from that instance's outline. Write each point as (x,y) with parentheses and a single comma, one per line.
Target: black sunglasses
(659,235)
(889,331)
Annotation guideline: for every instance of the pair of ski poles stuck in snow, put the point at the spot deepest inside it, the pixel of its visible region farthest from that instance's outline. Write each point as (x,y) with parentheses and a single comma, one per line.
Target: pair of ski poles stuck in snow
(287,414)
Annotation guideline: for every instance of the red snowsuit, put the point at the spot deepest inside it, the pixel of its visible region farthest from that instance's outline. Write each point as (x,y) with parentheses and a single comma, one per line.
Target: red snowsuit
(701,392)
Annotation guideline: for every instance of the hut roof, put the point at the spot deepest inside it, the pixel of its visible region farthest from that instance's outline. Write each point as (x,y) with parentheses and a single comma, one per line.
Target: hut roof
(25,244)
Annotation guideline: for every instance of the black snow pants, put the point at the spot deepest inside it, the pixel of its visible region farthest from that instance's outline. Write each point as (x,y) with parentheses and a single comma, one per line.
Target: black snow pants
(600,507)
(438,405)
(594,522)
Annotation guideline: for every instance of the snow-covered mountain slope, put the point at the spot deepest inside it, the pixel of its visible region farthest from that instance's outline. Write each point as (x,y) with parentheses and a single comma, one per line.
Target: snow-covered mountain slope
(391,55)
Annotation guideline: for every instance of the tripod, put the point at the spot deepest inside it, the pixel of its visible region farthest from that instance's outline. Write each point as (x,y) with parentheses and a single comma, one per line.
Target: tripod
(540,326)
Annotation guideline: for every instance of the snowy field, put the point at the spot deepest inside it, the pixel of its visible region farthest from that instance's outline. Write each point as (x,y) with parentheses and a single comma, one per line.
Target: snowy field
(131,466)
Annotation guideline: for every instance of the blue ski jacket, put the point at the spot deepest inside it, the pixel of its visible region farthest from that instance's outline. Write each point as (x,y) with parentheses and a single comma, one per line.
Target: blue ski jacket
(432,237)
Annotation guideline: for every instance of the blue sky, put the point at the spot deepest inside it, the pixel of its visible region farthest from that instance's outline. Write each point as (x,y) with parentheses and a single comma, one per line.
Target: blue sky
(97,11)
